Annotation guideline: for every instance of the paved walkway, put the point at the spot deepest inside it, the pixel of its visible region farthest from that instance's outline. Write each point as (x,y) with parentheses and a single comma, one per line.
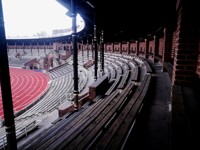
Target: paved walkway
(185,117)
(151,130)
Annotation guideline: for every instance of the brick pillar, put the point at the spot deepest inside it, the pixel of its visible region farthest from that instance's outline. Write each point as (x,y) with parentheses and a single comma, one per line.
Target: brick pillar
(128,47)
(156,46)
(146,48)
(167,46)
(198,63)
(137,47)
(120,47)
(113,48)
(185,59)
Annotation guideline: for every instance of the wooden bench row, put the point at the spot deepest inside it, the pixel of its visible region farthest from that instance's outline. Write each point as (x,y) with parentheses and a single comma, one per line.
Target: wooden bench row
(114,85)
(148,67)
(124,80)
(66,127)
(117,134)
(106,123)
(96,128)
(136,74)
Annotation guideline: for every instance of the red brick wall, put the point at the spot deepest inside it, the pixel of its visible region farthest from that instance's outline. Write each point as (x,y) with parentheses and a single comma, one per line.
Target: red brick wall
(174,46)
(109,47)
(116,47)
(151,46)
(125,48)
(198,63)
(142,48)
(167,47)
(151,49)
(160,49)
(185,60)
(133,47)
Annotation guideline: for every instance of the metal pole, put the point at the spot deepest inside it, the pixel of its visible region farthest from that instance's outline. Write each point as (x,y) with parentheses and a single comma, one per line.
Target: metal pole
(30,46)
(87,49)
(92,50)
(102,53)
(95,48)
(38,47)
(23,48)
(74,47)
(6,88)
(100,43)
(15,48)
(82,52)
(95,40)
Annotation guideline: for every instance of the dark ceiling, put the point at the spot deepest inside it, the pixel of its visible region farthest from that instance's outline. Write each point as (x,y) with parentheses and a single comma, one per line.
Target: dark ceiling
(125,19)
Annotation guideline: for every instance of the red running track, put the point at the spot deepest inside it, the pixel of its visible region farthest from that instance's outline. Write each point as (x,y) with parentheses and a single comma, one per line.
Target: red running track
(26,86)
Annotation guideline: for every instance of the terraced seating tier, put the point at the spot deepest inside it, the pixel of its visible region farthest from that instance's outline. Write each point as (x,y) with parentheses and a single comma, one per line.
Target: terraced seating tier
(103,125)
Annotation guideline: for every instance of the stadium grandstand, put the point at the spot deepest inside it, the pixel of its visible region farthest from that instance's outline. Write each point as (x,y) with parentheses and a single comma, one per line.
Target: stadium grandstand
(92,79)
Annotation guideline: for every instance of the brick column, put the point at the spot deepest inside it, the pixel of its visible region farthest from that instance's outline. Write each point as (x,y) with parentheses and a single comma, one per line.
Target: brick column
(120,47)
(185,59)
(137,47)
(156,45)
(113,48)
(128,47)
(167,46)
(146,48)
(198,63)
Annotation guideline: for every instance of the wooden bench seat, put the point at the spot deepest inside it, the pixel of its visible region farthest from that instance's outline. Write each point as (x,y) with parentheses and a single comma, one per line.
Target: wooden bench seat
(124,80)
(136,74)
(105,123)
(117,134)
(96,127)
(148,67)
(66,128)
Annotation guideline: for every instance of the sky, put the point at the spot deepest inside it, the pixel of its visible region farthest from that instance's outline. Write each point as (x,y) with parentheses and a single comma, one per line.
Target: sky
(26,18)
